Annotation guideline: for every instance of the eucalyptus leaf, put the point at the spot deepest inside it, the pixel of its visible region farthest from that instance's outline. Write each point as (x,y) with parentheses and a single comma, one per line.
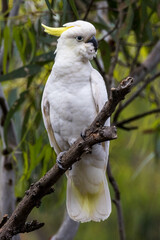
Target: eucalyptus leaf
(6,47)
(36,154)
(143,164)
(25,122)
(17,35)
(49,6)
(73,6)
(128,22)
(32,39)
(105,54)
(11,112)
(22,72)
(29,70)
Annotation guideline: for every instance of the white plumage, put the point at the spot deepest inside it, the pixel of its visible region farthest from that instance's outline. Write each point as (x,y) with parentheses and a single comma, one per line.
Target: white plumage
(74,93)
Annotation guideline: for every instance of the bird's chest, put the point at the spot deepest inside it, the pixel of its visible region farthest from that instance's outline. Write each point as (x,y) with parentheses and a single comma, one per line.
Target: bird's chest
(71,101)
(72,104)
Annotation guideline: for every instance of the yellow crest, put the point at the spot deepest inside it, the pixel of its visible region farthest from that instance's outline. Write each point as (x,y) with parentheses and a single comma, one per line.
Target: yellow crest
(55,31)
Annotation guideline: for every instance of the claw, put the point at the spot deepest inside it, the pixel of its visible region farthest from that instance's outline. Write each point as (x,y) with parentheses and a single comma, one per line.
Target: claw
(83,134)
(59,160)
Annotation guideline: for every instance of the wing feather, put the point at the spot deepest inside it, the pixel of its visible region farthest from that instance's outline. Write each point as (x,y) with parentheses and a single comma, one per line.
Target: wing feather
(48,125)
(100,96)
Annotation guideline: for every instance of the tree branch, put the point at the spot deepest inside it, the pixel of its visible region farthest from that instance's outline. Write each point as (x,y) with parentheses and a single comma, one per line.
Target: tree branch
(142,115)
(109,32)
(117,46)
(134,95)
(148,65)
(94,134)
(88,9)
(139,74)
(4,220)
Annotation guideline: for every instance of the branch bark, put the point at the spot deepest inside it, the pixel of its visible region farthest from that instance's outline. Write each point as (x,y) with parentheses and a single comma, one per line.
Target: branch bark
(134,95)
(94,134)
(138,76)
(139,116)
(148,65)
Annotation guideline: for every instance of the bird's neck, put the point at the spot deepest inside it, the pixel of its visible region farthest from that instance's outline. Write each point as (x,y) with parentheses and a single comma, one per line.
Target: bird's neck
(68,55)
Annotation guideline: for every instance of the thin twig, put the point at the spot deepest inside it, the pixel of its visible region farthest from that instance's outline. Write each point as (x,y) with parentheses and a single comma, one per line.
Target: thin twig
(139,116)
(109,33)
(88,10)
(136,94)
(135,58)
(117,202)
(136,45)
(115,57)
(148,65)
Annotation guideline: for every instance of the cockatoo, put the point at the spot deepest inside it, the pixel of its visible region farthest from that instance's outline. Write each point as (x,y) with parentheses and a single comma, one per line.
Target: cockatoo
(73,95)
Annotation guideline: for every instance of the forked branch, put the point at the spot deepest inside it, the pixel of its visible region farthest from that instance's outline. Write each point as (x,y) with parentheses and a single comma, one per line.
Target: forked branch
(94,134)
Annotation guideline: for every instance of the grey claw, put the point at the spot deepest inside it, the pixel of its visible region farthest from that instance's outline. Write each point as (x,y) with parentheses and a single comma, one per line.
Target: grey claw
(83,134)
(59,160)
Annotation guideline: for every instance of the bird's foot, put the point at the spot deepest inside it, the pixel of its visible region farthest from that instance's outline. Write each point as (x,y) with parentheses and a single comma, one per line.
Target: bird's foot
(59,160)
(83,134)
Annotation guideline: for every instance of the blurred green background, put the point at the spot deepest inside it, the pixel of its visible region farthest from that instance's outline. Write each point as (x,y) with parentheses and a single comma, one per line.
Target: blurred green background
(132,29)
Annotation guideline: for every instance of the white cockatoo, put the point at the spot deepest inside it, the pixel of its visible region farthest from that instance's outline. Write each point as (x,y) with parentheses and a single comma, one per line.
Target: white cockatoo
(74,93)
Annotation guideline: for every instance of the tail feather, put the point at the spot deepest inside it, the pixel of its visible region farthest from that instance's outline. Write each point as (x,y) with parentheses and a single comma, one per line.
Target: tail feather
(85,206)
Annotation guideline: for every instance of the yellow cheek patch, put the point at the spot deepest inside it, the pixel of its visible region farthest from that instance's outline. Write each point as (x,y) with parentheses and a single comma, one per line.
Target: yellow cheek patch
(55,31)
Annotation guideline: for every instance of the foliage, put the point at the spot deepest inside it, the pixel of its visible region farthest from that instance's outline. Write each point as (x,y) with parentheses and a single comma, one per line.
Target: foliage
(127,32)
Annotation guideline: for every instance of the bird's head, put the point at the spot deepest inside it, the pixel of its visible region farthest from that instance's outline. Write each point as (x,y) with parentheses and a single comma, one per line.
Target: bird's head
(77,37)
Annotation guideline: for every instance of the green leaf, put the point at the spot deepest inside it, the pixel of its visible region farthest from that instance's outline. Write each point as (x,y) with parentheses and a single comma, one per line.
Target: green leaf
(7,47)
(36,154)
(143,164)
(105,54)
(47,39)
(22,72)
(44,58)
(100,26)
(12,96)
(26,166)
(11,112)
(18,39)
(47,157)
(65,10)
(25,122)
(31,36)
(31,69)
(49,6)
(128,22)
(20,187)
(25,41)
(73,6)
(157,143)
(145,24)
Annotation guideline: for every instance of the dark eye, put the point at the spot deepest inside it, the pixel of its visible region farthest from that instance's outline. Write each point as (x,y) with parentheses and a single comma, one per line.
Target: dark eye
(79,38)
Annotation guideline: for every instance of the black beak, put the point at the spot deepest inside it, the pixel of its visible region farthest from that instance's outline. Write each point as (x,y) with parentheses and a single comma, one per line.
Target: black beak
(94,41)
